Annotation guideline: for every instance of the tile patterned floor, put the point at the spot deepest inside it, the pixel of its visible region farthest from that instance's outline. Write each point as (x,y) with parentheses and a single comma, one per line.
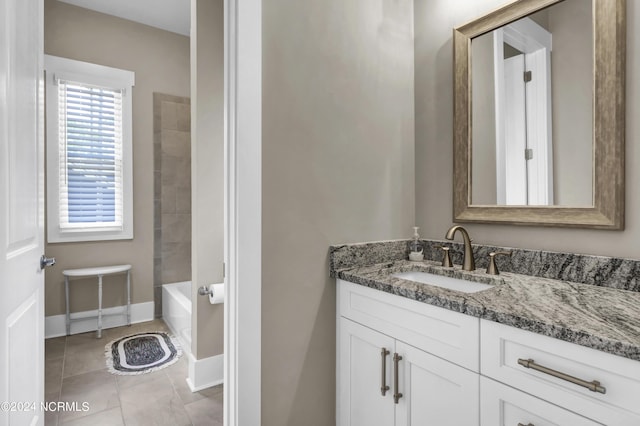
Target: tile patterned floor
(75,370)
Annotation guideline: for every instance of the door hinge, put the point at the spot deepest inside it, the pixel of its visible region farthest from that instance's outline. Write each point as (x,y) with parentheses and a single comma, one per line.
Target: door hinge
(527,76)
(224,270)
(528,154)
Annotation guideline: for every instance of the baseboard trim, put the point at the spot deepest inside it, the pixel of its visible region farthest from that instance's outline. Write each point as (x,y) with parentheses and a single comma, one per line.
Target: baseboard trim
(206,372)
(55,325)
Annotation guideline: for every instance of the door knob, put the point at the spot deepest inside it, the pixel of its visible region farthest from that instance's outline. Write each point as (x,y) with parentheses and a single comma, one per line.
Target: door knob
(47,261)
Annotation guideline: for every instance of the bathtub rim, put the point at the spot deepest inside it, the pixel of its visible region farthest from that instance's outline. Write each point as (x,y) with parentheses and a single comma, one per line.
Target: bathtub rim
(179,296)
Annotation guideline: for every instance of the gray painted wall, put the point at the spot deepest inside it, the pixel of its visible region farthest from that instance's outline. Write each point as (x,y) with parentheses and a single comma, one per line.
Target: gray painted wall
(338,166)
(572,64)
(207,152)
(483,103)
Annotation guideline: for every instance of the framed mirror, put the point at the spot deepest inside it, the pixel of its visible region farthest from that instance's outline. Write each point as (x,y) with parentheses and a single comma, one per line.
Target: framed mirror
(539,115)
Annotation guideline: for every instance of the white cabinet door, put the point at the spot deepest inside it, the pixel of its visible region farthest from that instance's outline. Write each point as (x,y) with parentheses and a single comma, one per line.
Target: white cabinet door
(360,364)
(434,391)
(505,406)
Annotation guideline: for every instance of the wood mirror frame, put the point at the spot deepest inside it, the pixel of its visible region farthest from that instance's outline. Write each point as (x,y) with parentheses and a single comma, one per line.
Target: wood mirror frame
(607,212)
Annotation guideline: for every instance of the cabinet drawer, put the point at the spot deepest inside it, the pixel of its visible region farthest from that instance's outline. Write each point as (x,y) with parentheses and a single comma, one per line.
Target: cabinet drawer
(446,334)
(504,406)
(502,346)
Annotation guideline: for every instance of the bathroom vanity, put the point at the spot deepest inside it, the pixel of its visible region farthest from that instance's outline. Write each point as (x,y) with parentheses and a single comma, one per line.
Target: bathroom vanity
(521,350)
(555,338)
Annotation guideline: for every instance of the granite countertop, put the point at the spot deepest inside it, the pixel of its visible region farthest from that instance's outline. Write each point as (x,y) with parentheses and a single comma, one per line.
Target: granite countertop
(602,318)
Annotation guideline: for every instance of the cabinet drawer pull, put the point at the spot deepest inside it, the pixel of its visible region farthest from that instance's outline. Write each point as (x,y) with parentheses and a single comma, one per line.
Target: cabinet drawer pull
(593,386)
(528,424)
(384,387)
(396,395)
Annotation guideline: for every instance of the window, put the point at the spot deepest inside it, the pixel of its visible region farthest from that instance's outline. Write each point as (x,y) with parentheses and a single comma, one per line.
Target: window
(89,151)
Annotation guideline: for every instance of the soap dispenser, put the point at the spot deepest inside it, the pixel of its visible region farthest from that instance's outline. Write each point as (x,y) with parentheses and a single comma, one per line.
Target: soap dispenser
(416,252)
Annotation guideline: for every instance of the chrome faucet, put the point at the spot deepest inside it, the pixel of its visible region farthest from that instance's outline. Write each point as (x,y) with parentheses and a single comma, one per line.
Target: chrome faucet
(468,262)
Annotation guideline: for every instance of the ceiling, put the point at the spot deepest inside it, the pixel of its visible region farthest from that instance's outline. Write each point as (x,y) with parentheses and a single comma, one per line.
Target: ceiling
(170,15)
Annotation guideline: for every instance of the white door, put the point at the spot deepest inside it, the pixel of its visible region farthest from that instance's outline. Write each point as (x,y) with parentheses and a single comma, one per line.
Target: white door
(539,131)
(515,132)
(523,114)
(527,127)
(435,392)
(361,362)
(21,211)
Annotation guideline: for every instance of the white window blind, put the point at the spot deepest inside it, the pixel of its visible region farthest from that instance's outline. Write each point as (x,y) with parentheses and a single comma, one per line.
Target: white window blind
(90,138)
(89,142)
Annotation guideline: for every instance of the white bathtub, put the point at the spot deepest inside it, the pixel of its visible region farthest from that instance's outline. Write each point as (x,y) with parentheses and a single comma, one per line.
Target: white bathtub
(176,311)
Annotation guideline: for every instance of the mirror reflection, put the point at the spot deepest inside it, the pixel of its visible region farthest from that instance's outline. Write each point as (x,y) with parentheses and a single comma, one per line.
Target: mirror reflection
(532,88)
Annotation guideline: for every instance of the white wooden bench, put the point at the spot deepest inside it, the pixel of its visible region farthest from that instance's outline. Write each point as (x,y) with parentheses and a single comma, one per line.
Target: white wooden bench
(99,272)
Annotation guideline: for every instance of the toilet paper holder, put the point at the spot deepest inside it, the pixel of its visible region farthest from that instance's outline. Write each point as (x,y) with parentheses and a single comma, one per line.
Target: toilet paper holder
(204,291)
(215,292)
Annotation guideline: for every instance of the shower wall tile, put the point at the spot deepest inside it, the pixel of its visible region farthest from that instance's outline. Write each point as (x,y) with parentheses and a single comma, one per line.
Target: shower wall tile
(157,270)
(157,210)
(169,116)
(183,199)
(168,199)
(184,117)
(183,172)
(172,192)
(176,228)
(157,180)
(157,244)
(157,115)
(176,143)
(169,169)
(157,155)
(176,262)
(157,297)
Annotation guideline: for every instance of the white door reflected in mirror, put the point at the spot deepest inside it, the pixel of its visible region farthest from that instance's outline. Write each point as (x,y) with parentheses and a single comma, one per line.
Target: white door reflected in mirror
(524,141)
(531,110)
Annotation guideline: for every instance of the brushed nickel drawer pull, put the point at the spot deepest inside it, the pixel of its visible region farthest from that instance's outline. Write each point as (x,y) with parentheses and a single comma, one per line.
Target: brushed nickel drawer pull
(528,424)
(593,386)
(384,387)
(396,395)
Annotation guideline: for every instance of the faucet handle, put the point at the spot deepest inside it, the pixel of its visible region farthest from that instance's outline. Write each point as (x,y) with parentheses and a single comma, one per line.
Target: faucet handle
(492,269)
(446,256)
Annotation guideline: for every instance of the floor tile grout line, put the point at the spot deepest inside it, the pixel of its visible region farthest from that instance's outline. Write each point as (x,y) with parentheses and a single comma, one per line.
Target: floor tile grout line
(84,372)
(124,421)
(64,359)
(175,392)
(64,364)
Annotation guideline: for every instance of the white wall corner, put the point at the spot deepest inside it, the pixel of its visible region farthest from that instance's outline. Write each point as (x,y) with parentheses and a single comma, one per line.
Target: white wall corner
(206,372)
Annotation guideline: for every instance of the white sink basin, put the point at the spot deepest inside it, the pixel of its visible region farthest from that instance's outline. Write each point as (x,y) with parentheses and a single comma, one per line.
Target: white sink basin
(442,281)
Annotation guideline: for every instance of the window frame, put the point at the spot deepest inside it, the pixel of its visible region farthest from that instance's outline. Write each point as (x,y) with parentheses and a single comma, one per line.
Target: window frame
(57,68)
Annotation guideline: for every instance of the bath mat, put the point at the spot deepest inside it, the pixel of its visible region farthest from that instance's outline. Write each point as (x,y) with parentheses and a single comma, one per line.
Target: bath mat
(141,353)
